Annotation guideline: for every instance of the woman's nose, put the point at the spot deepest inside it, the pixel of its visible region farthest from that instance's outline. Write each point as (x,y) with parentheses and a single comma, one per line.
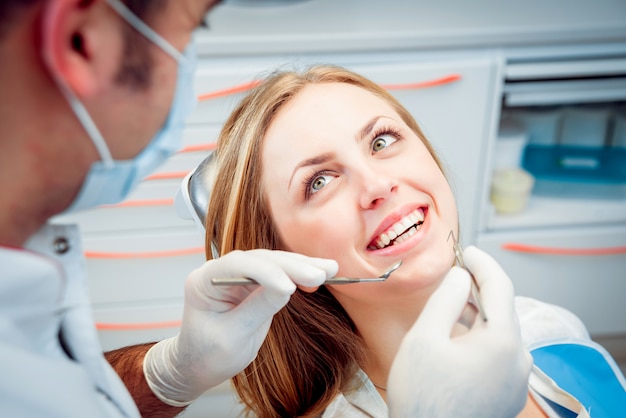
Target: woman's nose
(376,189)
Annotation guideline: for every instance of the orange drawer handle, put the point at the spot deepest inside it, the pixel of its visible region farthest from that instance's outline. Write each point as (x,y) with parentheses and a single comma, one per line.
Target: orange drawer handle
(180,174)
(424,84)
(201,147)
(138,203)
(229,91)
(167,176)
(534,249)
(113,326)
(152,254)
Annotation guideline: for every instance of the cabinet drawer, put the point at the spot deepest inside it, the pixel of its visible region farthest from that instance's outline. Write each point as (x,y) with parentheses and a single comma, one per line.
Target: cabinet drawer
(131,216)
(582,269)
(121,325)
(142,266)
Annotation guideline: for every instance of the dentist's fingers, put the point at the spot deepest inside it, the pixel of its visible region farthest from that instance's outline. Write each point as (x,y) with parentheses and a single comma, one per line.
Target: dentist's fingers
(274,267)
(306,271)
(496,289)
(469,315)
(445,306)
(265,267)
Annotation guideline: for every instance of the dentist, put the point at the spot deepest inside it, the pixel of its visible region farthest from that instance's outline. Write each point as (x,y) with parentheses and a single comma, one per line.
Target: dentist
(94,97)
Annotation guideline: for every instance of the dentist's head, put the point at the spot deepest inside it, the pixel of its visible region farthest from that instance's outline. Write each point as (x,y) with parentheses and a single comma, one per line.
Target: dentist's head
(110,180)
(95,94)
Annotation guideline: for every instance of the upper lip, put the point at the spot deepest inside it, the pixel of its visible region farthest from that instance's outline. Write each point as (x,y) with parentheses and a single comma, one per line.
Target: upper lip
(393,218)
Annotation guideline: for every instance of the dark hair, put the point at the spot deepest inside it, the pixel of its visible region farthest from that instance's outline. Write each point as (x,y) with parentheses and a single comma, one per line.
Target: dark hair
(135,70)
(9,13)
(136,65)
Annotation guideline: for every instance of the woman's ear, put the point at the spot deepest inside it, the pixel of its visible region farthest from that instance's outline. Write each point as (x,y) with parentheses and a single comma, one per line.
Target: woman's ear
(79,43)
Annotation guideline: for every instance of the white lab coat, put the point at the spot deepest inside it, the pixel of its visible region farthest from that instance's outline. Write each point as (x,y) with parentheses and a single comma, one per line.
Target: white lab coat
(43,298)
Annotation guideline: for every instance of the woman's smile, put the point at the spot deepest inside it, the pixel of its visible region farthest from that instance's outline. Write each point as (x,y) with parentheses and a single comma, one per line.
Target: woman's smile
(400,231)
(411,242)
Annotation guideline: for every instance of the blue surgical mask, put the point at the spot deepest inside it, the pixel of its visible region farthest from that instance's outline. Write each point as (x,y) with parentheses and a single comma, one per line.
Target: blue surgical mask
(110,181)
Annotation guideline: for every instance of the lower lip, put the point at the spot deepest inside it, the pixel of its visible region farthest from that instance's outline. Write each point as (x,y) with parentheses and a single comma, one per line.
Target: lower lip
(404,246)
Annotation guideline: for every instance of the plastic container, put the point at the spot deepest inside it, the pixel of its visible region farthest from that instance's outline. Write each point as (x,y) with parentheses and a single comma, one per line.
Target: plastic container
(510,190)
(580,172)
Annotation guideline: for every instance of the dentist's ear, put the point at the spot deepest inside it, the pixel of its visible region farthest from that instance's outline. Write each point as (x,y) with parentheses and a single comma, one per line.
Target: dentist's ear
(81,43)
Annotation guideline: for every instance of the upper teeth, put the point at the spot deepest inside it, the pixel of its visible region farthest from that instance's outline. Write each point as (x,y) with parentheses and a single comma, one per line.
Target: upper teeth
(397,229)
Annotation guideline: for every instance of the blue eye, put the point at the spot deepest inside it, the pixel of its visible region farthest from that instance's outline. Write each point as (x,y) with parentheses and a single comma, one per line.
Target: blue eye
(381,142)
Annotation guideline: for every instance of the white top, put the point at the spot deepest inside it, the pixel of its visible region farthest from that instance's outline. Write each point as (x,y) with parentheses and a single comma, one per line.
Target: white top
(538,321)
(43,299)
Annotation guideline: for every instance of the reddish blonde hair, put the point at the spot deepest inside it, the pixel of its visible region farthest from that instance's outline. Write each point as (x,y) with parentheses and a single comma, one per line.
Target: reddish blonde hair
(312,349)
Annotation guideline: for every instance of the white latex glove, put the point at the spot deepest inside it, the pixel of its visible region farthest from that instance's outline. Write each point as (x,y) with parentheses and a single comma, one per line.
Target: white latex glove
(483,373)
(224,326)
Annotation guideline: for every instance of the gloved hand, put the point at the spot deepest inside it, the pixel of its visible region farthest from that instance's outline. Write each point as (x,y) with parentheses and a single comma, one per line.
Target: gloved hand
(223,327)
(483,373)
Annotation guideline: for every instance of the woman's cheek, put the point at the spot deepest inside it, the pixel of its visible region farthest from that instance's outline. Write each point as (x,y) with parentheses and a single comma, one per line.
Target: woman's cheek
(320,236)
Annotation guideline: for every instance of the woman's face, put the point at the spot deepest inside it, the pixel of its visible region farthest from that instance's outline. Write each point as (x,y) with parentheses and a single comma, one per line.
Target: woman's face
(345,178)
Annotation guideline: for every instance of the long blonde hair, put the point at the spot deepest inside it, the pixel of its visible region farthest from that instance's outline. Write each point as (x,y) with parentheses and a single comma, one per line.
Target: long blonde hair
(312,349)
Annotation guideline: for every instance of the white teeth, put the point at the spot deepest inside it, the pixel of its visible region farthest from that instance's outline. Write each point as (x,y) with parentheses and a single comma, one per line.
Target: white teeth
(400,227)
(401,230)
(406,235)
(385,240)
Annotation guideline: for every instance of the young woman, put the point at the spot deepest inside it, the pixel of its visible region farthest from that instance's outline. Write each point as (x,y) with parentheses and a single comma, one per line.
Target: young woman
(328,164)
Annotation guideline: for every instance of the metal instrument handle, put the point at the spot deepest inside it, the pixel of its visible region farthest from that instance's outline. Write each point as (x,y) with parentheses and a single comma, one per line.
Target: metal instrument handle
(239,281)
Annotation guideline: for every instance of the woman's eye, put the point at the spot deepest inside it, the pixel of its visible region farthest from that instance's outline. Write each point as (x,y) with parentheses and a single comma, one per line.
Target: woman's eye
(382,141)
(319,182)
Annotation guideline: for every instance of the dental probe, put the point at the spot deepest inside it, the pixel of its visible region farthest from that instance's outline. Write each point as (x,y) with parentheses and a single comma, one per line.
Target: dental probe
(236,281)
(458,255)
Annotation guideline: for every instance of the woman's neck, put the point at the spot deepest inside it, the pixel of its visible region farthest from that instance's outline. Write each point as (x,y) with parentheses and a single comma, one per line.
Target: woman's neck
(382,326)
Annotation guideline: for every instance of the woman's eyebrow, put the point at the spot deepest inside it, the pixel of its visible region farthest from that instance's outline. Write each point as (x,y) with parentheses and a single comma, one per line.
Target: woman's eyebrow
(319,159)
(365,131)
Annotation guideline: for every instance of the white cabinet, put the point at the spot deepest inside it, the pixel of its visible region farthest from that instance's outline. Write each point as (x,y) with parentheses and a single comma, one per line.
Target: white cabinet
(568,246)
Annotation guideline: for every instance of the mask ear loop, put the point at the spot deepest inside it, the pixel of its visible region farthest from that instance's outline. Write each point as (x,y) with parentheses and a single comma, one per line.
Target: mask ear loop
(88,124)
(144,29)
